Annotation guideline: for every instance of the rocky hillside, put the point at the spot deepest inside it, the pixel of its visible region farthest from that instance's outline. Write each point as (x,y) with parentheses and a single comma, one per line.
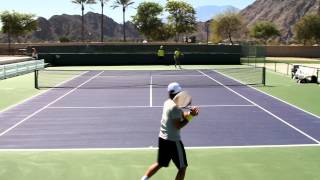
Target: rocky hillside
(284,13)
(70,26)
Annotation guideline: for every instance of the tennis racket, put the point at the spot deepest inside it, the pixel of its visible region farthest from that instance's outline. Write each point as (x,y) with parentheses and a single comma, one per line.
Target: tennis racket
(183,100)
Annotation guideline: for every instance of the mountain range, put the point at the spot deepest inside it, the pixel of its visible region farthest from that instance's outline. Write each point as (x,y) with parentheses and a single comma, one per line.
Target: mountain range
(284,13)
(69,26)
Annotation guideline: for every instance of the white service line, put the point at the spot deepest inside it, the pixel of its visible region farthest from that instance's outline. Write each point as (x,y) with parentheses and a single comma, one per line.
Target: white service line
(133,107)
(180,75)
(38,111)
(270,113)
(256,146)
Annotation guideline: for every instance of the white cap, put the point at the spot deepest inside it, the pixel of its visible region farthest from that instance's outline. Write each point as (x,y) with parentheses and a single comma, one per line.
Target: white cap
(174,88)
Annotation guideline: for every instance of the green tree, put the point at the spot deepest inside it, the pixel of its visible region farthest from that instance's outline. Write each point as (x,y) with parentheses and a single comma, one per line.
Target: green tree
(308,29)
(82,3)
(102,4)
(17,24)
(124,4)
(64,39)
(165,32)
(302,34)
(182,16)
(264,30)
(147,19)
(226,26)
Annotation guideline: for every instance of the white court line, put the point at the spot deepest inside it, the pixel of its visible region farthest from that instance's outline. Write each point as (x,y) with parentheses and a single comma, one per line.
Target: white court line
(39,94)
(151,91)
(155,148)
(181,75)
(270,95)
(133,107)
(144,76)
(38,111)
(268,112)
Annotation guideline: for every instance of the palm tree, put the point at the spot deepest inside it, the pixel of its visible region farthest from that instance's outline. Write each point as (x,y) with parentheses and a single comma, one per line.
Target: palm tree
(124,4)
(102,3)
(82,3)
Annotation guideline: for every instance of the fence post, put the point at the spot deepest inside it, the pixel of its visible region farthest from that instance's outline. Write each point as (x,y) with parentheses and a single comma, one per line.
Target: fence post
(3,74)
(264,76)
(36,85)
(17,70)
(318,76)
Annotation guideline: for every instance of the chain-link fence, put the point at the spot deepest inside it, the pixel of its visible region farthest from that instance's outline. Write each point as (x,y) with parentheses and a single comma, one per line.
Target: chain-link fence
(255,55)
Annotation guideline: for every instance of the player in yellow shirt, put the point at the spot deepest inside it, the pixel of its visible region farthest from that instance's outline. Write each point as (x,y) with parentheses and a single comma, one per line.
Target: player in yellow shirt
(161,55)
(177,57)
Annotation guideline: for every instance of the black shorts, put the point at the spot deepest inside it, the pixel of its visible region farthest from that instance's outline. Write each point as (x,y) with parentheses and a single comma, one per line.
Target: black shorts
(161,60)
(160,57)
(172,150)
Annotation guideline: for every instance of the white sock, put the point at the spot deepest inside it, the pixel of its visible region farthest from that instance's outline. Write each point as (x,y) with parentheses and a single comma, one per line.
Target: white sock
(144,178)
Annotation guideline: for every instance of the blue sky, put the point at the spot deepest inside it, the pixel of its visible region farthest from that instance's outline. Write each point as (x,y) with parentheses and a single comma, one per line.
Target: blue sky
(48,8)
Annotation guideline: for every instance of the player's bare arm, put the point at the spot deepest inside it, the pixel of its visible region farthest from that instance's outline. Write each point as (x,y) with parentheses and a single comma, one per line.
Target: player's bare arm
(194,111)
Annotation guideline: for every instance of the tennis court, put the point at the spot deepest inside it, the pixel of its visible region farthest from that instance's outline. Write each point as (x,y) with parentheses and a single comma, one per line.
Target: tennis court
(122,109)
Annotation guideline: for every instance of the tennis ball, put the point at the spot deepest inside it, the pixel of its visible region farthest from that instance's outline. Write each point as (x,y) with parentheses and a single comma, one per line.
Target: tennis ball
(189,117)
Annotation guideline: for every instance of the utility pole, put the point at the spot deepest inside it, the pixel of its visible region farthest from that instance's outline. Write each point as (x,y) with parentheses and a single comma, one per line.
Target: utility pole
(102,5)
(9,34)
(208,28)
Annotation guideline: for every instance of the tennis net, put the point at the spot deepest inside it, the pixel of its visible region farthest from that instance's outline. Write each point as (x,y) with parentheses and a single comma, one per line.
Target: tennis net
(94,79)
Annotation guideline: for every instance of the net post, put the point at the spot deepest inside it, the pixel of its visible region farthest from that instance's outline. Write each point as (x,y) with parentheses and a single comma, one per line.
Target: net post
(264,76)
(36,85)
(318,76)
(264,54)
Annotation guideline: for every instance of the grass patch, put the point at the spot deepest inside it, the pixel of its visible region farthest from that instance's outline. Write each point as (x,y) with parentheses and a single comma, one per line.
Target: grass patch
(16,89)
(293,60)
(221,164)
(305,96)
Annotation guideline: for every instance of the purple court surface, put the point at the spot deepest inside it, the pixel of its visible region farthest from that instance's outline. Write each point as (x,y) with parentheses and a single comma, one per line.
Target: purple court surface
(122,109)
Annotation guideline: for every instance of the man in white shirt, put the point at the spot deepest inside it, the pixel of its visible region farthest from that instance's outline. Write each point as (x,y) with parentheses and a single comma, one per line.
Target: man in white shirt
(170,144)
